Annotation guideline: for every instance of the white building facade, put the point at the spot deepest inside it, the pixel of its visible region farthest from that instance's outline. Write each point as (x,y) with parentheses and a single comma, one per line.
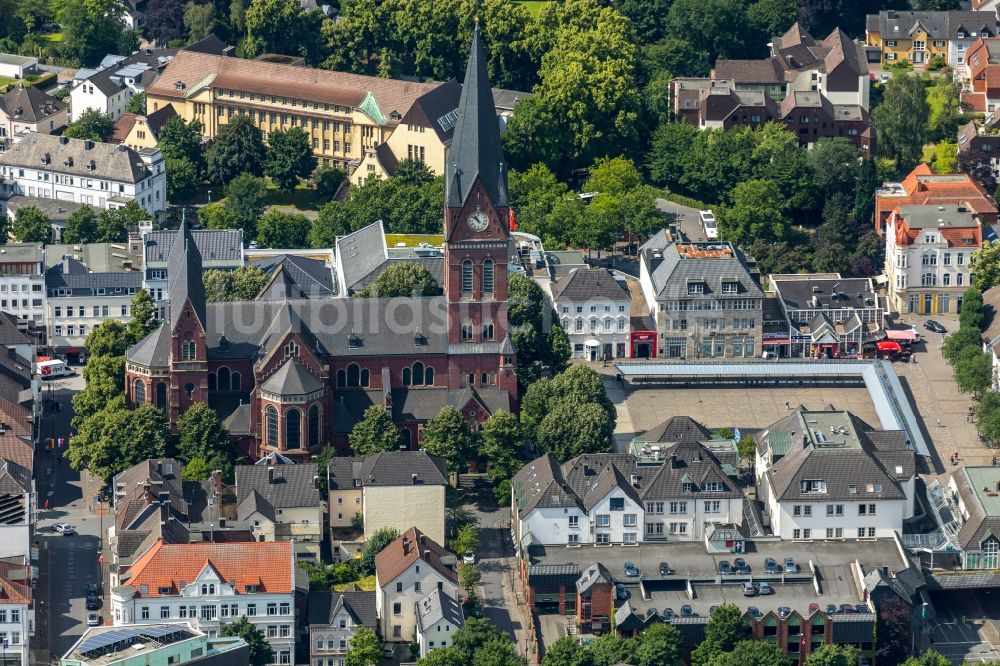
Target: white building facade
(594,308)
(22,281)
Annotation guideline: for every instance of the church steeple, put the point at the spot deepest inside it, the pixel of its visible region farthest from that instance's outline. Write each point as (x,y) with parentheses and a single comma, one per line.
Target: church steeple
(475,147)
(184,277)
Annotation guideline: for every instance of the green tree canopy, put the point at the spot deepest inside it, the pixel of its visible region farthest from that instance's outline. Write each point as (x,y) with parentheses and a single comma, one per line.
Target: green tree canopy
(542,345)
(238,149)
(113,224)
(375,545)
(972,315)
(758,653)
(281,26)
(109,338)
(366,648)
(278,229)
(611,649)
(137,104)
(659,645)
(448,435)
(467,539)
(289,157)
(973,371)
(202,435)
(375,432)
(757,213)
(544,206)
(502,444)
(241,284)
(901,120)
(566,651)
(260,650)
(92,125)
(446,656)
(834,655)
(724,630)
(623,202)
(143,321)
(181,140)
(956,342)
(81,227)
(401,279)
(104,378)
(331,222)
(31,225)
(182,179)
(115,438)
(985,265)
(200,20)
(327,180)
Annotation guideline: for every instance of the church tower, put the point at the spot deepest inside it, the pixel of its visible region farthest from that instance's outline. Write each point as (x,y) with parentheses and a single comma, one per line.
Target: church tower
(187,324)
(477,237)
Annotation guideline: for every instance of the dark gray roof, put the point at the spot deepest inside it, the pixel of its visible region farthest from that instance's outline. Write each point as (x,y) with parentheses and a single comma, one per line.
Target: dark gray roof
(359,253)
(475,148)
(797,292)
(595,573)
(325,606)
(10,334)
(184,278)
(419,404)
(214,246)
(14,479)
(153,350)
(292,379)
(211,45)
(110,82)
(300,277)
(157,119)
(436,109)
(593,284)
(679,265)
(900,24)
(289,486)
(76,276)
(28,104)
(117,163)
(342,471)
(438,606)
(678,429)
(396,468)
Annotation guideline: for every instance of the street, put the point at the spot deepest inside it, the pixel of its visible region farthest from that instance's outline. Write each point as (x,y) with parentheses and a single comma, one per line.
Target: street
(687,219)
(67,563)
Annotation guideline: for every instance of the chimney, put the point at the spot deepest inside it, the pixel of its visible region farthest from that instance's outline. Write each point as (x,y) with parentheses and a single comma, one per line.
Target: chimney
(217,482)
(423,539)
(427,556)
(270,474)
(413,479)
(406,544)
(885,571)
(316,482)
(673,461)
(65,270)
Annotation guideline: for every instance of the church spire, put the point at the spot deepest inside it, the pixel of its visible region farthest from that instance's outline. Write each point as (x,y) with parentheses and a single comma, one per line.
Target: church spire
(184,277)
(475,147)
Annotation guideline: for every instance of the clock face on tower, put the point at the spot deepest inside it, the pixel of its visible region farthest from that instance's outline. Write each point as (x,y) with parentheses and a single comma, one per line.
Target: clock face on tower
(478,221)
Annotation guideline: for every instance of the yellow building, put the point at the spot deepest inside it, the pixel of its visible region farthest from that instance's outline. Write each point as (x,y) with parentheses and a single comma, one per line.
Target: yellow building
(138,132)
(894,36)
(344,114)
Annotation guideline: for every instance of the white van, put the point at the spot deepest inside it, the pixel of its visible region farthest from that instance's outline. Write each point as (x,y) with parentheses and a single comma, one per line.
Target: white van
(708,224)
(53,369)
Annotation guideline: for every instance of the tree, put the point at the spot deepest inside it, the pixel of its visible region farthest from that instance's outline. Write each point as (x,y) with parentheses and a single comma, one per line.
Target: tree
(893,631)
(200,20)
(985,266)
(280,26)
(109,338)
(260,650)
(31,225)
(901,120)
(289,157)
(502,444)
(670,144)
(246,198)
(833,164)
(929,658)
(834,655)
(659,645)
(468,577)
(467,540)
(474,635)
(612,649)
(113,224)
(242,284)
(331,223)
(960,340)
(724,630)
(747,447)
(375,432)
(498,652)
(757,213)
(196,469)
(972,315)
(81,227)
(772,17)
(534,330)
(137,103)
(571,429)
(973,371)
(577,386)
(323,458)
(104,378)
(448,656)
(758,653)
(181,140)
(401,279)
(622,202)
(448,435)
(988,416)
(91,29)
(277,229)
(327,180)
(366,648)
(115,438)
(822,16)
(92,125)
(544,206)
(238,149)
(566,651)
(202,435)
(182,179)
(375,545)
(164,20)
(944,113)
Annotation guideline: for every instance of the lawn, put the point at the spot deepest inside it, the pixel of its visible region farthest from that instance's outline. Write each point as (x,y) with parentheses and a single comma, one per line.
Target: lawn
(366,584)
(413,240)
(302,197)
(52,37)
(533,6)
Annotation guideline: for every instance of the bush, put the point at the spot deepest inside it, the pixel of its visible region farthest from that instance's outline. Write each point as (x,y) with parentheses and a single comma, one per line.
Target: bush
(501,493)
(685,201)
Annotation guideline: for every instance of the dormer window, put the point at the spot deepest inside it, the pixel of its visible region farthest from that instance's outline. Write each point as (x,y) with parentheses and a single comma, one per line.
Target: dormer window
(353,341)
(696,287)
(812,486)
(730,287)
(418,339)
(179,85)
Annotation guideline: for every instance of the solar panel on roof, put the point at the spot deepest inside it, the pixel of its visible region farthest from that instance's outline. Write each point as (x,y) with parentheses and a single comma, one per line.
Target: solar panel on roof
(162,630)
(105,640)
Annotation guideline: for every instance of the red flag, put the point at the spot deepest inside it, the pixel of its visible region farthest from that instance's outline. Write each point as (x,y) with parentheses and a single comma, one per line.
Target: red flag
(100,558)
(510,216)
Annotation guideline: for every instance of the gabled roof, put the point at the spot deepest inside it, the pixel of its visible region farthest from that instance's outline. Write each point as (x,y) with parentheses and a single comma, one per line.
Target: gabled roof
(475,150)
(77,157)
(281,486)
(28,104)
(595,573)
(223,246)
(324,607)
(610,478)
(398,468)
(678,429)
(121,127)
(359,253)
(13,586)
(437,109)
(211,44)
(157,119)
(153,350)
(593,284)
(409,548)
(184,279)
(438,606)
(14,479)
(300,277)
(708,264)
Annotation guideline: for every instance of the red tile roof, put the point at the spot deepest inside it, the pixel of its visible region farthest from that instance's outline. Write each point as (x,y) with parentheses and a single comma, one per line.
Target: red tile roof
(121,127)
(923,187)
(268,565)
(412,546)
(15,583)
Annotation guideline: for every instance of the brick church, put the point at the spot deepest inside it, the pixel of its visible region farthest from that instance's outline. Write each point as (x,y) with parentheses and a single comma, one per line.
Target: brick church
(290,374)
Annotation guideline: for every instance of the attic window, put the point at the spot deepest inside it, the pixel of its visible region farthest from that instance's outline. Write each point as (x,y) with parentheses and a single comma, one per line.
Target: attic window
(164,590)
(251,589)
(353,341)
(696,287)
(810,486)
(852,489)
(179,85)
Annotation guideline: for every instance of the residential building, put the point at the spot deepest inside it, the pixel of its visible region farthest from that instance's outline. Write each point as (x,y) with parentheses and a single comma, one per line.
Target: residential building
(344,114)
(362,255)
(991,331)
(439,616)
(109,87)
(918,37)
(209,585)
(82,171)
(178,643)
(978,141)
(927,252)
(595,598)
(676,480)
(22,282)
(969,514)
(138,132)
(923,187)
(981,78)
(18,499)
(17,610)
(28,109)
(458,353)
(405,571)
(78,299)
(334,617)
(282,503)
(706,303)
(828,474)
(397,489)
(17,66)
(826,315)
(595,308)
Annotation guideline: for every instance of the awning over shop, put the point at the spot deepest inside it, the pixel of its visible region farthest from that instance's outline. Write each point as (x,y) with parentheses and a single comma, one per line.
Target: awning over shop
(905,335)
(888,346)
(777,341)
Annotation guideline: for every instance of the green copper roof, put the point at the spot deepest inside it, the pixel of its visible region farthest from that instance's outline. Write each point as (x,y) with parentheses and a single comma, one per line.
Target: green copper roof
(370,107)
(198,86)
(779,443)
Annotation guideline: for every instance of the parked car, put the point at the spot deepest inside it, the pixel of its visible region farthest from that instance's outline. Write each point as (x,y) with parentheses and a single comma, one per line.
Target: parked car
(388,652)
(754,612)
(93,619)
(687,611)
(847,609)
(665,569)
(784,611)
(932,325)
(469,557)
(725,568)
(749,590)
(92,588)
(668,614)
(708,224)
(631,570)
(831,609)
(862,608)
(813,607)
(65,529)
(621,592)
(93,602)
(764,589)
(791,566)
(771,566)
(741,566)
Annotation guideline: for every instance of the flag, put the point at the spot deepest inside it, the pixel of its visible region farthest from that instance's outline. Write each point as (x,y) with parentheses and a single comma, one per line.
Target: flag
(62,441)
(100,558)
(510,217)
(736,434)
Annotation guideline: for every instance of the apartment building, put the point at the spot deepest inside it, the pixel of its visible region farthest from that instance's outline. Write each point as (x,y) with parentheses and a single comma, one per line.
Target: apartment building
(970,514)
(594,308)
(138,131)
(282,503)
(211,584)
(334,617)
(22,281)
(980,141)
(28,109)
(17,610)
(923,187)
(927,252)
(179,644)
(705,301)
(828,474)
(344,114)
(439,616)
(39,167)
(108,87)
(919,36)
(981,72)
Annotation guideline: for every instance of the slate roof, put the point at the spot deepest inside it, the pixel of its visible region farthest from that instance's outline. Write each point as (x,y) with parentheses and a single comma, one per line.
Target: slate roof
(678,429)
(410,547)
(292,486)
(117,163)
(214,246)
(324,607)
(709,264)
(388,468)
(146,61)
(588,285)
(157,119)
(84,283)
(595,573)
(153,350)
(14,479)
(475,149)
(359,253)
(184,278)
(797,292)
(211,45)
(300,277)
(938,24)
(292,379)
(28,104)
(438,606)
(437,109)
